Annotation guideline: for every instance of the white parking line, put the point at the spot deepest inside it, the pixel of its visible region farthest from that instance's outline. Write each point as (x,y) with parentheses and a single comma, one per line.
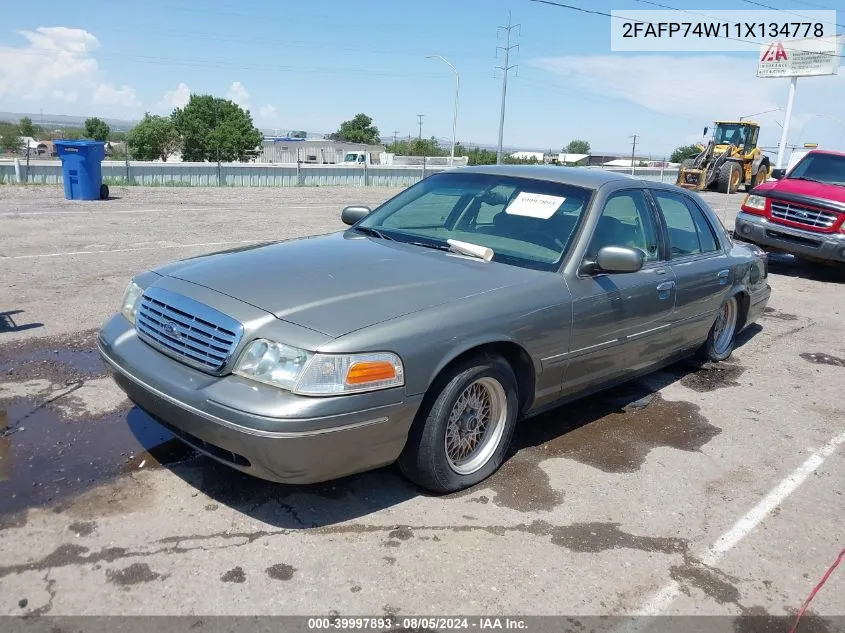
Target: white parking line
(180,209)
(130,250)
(661,600)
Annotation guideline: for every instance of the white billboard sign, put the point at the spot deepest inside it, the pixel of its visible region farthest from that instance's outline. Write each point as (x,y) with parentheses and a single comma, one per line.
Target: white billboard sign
(800,58)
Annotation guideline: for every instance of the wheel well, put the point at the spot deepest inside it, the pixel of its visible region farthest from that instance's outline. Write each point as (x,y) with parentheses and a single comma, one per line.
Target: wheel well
(516,357)
(744,301)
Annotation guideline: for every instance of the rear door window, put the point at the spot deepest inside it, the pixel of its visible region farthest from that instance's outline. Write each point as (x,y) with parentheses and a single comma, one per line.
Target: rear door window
(689,232)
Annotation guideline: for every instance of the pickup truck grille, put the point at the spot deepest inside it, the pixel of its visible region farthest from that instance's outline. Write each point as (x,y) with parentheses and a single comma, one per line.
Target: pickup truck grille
(187,330)
(802,215)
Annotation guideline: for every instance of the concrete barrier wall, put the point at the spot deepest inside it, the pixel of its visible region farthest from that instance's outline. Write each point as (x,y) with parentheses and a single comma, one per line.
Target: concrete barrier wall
(255,175)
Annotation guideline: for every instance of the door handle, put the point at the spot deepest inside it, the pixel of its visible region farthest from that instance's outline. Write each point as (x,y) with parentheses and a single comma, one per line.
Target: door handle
(723,275)
(665,289)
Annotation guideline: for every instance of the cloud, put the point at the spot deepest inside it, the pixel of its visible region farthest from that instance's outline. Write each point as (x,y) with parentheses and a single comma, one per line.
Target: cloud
(107,94)
(267,112)
(176,98)
(674,85)
(55,64)
(238,94)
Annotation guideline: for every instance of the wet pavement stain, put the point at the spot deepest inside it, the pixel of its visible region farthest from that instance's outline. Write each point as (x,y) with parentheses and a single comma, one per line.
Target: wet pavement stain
(281,571)
(82,528)
(60,359)
(820,358)
(355,588)
(64,555)
(757,620)
(706,377)
(403,533)
(599,537)
(390,560)
(771,313)
(613,431)
(713,583)
(135,574)
(236,575)
(49,458)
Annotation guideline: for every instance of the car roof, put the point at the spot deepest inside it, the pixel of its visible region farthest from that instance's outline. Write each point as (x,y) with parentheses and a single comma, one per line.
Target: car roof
(578,176)
(832,152)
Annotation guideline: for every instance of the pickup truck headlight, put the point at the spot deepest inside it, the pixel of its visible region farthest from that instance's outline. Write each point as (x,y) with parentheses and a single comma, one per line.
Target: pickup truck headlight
(131,297)
(755,202)
(309,374)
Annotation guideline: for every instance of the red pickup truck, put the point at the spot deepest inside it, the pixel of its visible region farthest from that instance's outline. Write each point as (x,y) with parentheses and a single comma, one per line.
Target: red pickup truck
(802,212)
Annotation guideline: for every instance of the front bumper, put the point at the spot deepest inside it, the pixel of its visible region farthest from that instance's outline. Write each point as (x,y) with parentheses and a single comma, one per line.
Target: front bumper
(307,440)
(809,244)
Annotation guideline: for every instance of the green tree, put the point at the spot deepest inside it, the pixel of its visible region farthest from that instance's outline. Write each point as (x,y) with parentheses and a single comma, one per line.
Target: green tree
(213,128)
(683,152)
(577,146)
(96,129)
(359,129)
(118,137)
(10,137)
(154,137)
(478,156)
(26,127)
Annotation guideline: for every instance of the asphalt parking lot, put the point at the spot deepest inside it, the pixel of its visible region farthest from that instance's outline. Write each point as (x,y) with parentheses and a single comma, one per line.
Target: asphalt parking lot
(715,490)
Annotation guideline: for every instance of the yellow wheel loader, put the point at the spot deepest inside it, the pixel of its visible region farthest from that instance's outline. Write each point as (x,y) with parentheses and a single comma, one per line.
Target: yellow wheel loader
(731,158)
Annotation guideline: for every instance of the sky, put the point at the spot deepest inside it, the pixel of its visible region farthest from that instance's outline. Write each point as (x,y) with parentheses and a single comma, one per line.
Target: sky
(300,65)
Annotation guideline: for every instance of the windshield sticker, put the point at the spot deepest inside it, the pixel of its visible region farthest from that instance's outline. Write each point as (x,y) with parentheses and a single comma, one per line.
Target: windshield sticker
(535,205)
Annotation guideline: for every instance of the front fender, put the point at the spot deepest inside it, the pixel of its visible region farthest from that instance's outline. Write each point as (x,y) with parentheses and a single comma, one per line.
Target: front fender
(475,342)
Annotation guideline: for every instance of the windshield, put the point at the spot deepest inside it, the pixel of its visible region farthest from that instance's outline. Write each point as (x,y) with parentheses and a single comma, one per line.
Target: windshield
(729,134)
(525,222)
(827,168)
(350,158)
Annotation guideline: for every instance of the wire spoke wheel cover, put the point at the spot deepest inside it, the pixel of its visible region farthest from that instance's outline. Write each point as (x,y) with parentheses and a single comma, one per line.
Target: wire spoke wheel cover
(476,424)
(725,326)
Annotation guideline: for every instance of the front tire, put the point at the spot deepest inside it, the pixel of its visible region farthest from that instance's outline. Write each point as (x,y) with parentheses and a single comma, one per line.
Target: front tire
(728,178)
(464,427)
(722,337)
(758,179)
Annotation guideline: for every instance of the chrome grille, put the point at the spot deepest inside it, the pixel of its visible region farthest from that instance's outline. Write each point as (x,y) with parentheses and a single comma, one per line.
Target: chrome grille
(803,215)
(187,330)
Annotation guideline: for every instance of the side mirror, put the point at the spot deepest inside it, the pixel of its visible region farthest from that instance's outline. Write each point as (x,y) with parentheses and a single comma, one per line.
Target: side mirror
(778,174)
(351,215)
(620,259)
(705,131)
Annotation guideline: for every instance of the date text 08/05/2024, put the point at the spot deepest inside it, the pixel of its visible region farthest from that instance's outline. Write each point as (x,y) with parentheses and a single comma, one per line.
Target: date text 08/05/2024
(722,29)
(415,623)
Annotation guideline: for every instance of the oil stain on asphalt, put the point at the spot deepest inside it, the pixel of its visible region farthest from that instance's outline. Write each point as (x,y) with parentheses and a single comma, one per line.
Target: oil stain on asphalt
(820,358)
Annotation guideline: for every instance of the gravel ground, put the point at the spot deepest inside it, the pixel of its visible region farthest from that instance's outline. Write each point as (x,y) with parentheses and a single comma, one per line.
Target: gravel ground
(682,494)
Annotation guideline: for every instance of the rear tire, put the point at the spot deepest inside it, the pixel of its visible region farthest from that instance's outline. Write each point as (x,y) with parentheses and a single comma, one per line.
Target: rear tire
(463,430)
(722,337)
(728,179)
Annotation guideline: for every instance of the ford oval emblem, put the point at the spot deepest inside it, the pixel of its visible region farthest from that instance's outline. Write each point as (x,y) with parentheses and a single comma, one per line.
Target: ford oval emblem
(169,328)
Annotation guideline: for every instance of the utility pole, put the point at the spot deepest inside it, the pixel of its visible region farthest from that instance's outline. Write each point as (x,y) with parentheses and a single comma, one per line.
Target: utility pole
(395,132)
(633,152)
(505,68)
(420,116)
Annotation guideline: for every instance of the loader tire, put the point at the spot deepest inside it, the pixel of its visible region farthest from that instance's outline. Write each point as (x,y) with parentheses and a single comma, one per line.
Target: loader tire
(759,178)
(728,179)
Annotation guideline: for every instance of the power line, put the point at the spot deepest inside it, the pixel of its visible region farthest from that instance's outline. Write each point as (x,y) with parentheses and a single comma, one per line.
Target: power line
(766,6)
(704,15)
(505,68)
(622,17)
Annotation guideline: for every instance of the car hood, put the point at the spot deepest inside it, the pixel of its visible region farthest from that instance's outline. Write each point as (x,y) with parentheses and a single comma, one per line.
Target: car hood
(817,193)
(342,282)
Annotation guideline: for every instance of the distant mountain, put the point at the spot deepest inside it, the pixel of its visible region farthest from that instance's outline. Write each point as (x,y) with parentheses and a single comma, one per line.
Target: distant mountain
(56,121)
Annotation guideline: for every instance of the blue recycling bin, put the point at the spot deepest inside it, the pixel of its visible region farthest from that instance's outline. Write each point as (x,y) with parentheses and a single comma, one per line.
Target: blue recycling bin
(81,169)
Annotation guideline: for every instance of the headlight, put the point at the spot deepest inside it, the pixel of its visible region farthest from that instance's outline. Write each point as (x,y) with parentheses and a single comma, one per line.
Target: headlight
(755,202)
(311,374)
(129,306)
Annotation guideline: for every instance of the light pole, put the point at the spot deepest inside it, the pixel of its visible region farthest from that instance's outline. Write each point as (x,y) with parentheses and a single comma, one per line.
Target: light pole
(457,92)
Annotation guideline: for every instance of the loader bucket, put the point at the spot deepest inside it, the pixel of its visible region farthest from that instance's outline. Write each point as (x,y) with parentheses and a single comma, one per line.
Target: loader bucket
(694,179)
